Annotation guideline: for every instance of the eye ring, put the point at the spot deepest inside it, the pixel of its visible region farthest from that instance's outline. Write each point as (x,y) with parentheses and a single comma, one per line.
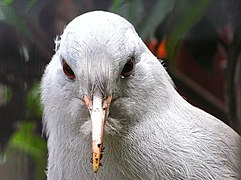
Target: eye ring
(68,71)
(128,68)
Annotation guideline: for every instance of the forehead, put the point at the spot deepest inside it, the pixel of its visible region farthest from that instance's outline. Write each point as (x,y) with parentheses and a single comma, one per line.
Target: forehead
(95,35)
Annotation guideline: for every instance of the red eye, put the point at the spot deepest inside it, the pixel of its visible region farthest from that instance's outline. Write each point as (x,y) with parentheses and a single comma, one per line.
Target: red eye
(68,71)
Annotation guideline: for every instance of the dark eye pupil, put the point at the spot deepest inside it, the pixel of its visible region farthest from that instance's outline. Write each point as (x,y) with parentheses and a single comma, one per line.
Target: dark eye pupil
(68,71)
(128,68)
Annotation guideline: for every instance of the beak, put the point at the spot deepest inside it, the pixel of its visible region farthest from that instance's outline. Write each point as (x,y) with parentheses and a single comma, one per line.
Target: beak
(99,110)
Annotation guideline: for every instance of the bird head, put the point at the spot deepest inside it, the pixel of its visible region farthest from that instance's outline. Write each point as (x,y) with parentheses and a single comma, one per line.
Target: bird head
(101,80)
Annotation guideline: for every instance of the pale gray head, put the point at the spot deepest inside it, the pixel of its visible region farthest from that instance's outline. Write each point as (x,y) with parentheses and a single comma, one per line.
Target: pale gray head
(103,86)
(100,60)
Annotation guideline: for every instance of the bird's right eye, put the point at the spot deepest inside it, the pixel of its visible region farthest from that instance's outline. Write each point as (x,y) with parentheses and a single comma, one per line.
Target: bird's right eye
(68,71)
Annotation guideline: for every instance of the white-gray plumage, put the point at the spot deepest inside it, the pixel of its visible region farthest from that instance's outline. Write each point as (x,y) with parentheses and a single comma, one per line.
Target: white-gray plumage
(151,132)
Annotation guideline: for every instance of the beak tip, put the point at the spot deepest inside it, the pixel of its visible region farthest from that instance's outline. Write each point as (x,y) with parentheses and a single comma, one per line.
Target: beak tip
(96,156)
(96,166)
(95,169)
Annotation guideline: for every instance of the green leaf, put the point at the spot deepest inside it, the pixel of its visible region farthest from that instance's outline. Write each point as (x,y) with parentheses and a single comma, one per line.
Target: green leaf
(115,6)
(26,140)
(6,2)
(10,16)
(155,17)
(30,4)
(187,13)
(129,9)
(144,22)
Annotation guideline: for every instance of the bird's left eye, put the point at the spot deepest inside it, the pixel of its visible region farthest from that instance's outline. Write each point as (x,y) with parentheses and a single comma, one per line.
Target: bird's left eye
(68,71)
(128,68)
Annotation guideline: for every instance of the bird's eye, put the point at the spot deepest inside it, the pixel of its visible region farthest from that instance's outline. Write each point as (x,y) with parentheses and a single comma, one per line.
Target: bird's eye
(68,71)
(128,68)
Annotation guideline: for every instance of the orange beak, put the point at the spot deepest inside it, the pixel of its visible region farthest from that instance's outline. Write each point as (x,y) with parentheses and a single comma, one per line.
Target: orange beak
(99,110)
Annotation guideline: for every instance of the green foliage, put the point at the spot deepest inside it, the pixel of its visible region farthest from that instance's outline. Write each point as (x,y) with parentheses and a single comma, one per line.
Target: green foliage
(12,18)
(186,15)
(155,17)
(6,2)
(30,4)
(33,102)
(25,140)
(129,9)
(145,22)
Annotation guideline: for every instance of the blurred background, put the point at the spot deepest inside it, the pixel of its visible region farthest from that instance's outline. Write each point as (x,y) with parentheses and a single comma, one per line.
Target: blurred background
(199,42)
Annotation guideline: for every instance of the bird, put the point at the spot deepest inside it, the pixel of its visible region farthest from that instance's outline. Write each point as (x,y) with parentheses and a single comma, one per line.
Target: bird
(111,111)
